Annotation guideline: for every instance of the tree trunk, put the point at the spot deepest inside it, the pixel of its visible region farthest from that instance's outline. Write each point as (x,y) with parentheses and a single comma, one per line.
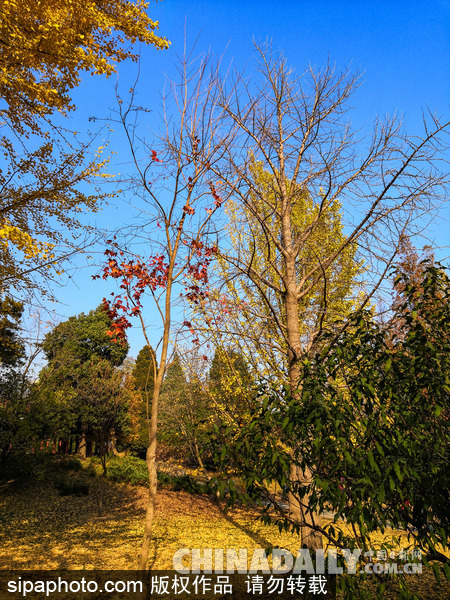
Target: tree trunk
(151,460)
(197,455)
(82,446)
(298,511)
(150,512)
(114,447)
(100,494)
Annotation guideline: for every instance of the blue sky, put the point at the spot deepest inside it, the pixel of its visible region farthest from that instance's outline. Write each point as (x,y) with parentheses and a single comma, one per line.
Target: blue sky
(402,48)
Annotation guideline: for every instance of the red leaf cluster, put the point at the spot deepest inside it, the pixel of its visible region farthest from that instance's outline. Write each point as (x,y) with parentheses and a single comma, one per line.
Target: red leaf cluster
(188,209)
(195,144)
(198,271)
(135,277)
(218,201)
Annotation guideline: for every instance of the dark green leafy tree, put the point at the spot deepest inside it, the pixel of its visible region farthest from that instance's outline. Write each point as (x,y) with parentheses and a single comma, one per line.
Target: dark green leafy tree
(186,410)
(12,350)
(143,376)
(74,350)
(104,397)
(83,338)
(12,354)
(372,426)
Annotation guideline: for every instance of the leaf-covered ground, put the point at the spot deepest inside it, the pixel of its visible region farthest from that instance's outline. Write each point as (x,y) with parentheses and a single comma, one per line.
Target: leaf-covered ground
(39,529)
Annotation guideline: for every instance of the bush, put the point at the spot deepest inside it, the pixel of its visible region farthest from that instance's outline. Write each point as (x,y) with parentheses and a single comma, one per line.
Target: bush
(186,483)
(134,470)
(128,470)
(28,468)
(183,483)
(70,464)
(71,487)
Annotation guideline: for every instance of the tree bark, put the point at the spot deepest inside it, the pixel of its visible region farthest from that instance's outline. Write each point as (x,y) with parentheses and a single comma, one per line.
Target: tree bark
(151,505)
(151,466)
(114,447)
(298,508)
(299,513)
(82,446)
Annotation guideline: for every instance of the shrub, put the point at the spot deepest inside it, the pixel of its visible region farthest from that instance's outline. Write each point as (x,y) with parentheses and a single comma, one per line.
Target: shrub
(181,483)
(131,469)
(70,464)
(71,487)
(128,470)
(27,468)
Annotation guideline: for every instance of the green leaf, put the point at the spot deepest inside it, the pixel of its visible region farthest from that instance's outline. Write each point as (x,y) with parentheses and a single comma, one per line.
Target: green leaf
(437,572)
(379,448)
(397,471)
(348,457)
(372,462)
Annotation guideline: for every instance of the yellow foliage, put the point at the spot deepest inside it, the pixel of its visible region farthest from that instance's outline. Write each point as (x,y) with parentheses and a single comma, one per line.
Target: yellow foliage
(241,307)
(22,240)
(45,44)
(39,200)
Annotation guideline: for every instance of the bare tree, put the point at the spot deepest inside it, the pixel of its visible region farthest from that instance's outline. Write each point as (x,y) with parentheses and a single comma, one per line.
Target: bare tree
(293,139)
(178,199)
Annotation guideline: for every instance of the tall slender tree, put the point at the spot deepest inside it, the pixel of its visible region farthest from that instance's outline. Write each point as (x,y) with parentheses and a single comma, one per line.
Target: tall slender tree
(295,128)
(174,179)
(143,375)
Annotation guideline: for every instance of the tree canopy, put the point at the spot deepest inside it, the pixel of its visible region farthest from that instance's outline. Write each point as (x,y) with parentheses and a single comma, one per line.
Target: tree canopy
(371,426)
(45,45)
(12,349)
(44,48)
(84,338)
(143,372)
(71,388)
(293,126)
(255,315)
(230,384)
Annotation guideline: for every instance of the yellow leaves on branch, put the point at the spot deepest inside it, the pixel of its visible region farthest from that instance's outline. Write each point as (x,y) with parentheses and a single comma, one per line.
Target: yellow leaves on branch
(45,44)
(23,241)
(39,200)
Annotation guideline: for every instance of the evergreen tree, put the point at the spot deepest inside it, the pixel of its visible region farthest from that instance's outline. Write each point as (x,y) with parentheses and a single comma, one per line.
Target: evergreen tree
(12,353)
(185,410)
(12,350)
(230,384)
(143,376)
